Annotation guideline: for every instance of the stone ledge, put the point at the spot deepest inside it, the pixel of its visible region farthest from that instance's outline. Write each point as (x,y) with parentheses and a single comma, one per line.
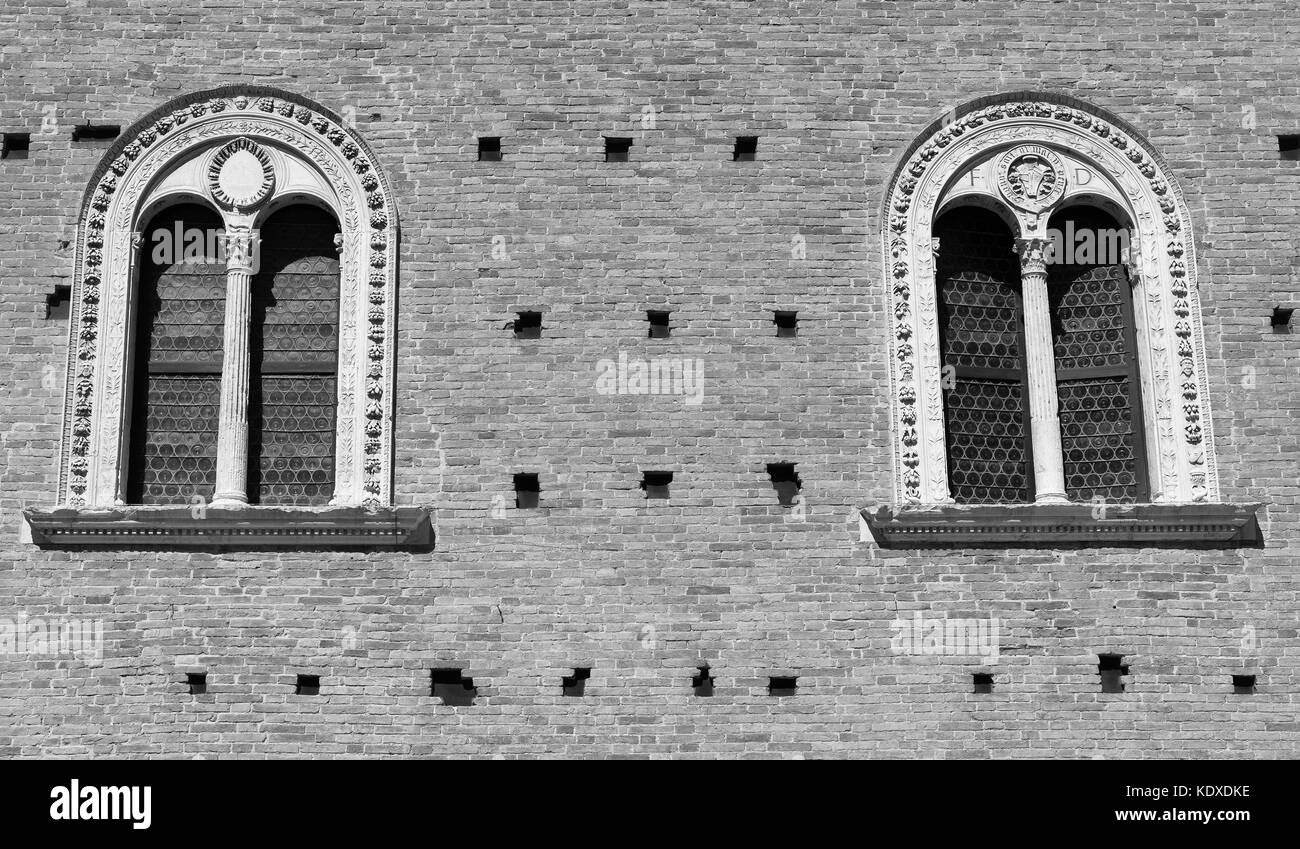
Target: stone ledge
(1046,525)
(245,528)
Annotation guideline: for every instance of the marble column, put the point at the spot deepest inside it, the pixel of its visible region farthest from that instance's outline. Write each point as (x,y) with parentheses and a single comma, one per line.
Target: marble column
(1040,362)
(232,427)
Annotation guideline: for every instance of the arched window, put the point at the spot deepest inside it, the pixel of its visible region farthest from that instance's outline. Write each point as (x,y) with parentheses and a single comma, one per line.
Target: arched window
(233,388)
(1046,348)
(985,376)
(292,358)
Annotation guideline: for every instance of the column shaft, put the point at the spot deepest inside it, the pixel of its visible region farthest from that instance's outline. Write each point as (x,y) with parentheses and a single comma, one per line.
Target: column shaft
(1040,361)
(232,428)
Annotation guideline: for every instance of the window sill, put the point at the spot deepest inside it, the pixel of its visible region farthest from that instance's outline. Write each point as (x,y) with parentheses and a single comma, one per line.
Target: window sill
(245,528)
(1048,525)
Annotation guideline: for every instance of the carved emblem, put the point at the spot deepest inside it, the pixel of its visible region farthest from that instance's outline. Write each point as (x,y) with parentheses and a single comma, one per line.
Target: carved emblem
(240,175)
(1031,176)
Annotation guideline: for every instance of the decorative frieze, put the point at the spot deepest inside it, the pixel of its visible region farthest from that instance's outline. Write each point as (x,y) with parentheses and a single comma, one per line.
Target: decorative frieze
(954,526)
(252,529)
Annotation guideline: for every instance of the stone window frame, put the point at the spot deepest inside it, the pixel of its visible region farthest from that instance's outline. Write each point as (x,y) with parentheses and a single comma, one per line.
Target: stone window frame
(1162,266)
(339,172)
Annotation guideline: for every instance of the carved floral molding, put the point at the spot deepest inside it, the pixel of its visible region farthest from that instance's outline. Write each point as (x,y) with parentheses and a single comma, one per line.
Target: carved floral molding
(235,122)
(1172,349)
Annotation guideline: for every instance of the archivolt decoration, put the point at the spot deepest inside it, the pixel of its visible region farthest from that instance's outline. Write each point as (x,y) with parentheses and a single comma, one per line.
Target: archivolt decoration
(1026,138)
(236,122)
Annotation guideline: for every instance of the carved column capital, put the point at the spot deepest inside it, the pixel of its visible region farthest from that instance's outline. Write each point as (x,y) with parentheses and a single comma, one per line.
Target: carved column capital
(241,250)
(1033,256)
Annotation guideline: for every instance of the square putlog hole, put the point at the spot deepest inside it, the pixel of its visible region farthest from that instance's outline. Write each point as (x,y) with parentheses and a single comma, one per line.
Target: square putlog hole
(656,484)
(452,687)
(782,685)
(702,683)
(746,149)
(15,145)
(575,685)
(489,149)
(527,491)
(659,324)
(617,149)
(58,304)
(785,481)
(787,323)
(528,325)
(1288,148)
(1243,685)
(307,685)
(983,682)
(1111,668)
(95,132)
(1280,321)
(197,682)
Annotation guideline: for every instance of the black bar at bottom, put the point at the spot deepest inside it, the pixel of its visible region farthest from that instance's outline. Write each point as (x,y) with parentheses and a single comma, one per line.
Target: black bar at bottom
(932,799)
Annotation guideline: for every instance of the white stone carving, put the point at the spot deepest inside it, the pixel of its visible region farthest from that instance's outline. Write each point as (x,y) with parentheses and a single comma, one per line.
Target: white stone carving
(232,426)
(1031,177)
(244,134)
(1040,367)
(1033,145)
(240,175)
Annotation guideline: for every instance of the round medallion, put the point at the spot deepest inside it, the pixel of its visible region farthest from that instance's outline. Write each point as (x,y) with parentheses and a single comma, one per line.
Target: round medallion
(1031,176)
(240,175)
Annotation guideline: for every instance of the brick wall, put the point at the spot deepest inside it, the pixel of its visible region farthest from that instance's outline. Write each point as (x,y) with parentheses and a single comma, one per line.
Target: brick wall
(643,593)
